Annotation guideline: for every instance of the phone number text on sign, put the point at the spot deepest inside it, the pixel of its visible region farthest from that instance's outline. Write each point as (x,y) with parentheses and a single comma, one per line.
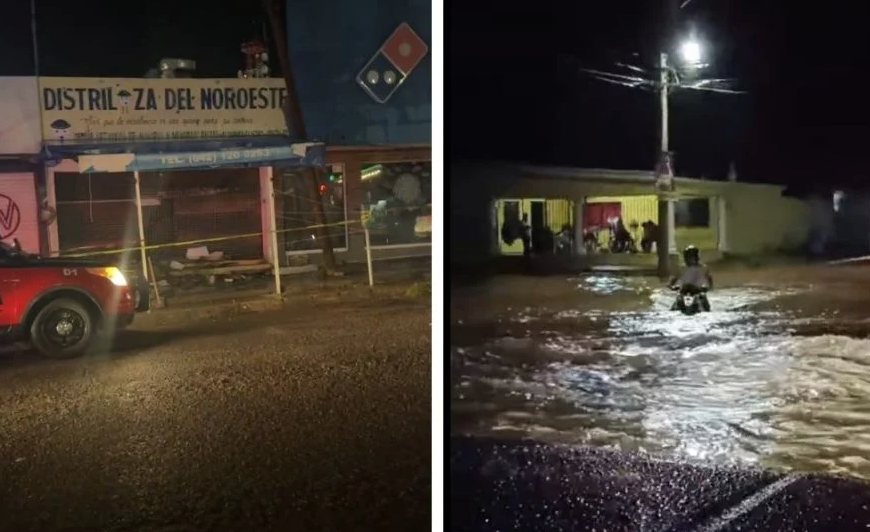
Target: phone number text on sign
(228,156)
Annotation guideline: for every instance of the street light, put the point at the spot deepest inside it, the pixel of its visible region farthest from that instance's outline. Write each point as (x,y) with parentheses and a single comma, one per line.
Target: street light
(683,74)
(691,52)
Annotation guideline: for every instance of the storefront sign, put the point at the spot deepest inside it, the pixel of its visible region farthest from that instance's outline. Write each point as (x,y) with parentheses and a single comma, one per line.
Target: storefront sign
(114,109)
(392,63)
(131,162)
(341,108)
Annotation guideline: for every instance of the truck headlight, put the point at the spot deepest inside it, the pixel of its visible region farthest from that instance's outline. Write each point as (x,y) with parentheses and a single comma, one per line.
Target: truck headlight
(113,274)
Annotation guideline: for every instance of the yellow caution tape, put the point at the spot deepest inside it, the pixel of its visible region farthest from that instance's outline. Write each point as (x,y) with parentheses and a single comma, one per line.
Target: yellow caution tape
(367,215)
(200,241)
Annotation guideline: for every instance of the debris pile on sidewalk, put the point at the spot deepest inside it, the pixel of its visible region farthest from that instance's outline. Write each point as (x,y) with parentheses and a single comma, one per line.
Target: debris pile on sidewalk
(202,267)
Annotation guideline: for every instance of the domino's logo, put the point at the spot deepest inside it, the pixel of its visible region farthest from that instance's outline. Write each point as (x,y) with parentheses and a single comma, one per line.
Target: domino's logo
(392,63)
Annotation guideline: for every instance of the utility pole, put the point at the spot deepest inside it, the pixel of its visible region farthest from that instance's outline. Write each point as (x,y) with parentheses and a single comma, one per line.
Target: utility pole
(666,245)
(668,79)
(664,162)
(296,124)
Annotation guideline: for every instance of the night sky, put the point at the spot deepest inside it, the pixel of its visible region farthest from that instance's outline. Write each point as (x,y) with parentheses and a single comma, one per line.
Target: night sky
(515,75)
(125,39)
(515,86)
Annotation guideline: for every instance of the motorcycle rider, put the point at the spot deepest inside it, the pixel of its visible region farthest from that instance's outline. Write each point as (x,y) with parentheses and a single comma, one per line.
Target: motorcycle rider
(694,276)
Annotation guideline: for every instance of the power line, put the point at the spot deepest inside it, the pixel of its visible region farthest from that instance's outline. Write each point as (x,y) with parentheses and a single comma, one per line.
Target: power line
(637,77)
(33,37)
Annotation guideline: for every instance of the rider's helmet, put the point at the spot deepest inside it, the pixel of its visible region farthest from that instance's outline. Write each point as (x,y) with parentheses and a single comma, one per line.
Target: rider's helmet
(691,255)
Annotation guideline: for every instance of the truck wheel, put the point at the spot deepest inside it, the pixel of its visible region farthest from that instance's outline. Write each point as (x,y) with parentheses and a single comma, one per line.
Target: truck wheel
(63,329)
(142,295)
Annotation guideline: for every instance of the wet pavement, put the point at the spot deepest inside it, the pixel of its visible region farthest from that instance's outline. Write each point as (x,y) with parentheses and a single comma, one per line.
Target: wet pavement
(312,418)
(499,485)
(778,375)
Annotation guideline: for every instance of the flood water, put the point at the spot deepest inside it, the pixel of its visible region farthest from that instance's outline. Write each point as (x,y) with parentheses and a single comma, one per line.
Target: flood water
(749,382)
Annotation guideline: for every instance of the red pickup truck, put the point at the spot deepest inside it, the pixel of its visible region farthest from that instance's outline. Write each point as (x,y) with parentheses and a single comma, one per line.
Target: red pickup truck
(60,305)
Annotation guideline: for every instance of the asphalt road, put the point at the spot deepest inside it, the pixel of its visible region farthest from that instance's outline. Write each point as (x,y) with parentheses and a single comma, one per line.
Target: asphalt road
(313,418)
(498,485)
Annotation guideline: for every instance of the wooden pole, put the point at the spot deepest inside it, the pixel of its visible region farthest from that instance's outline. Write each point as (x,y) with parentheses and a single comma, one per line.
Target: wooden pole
(296,128)
(139,219)
(273,232)
(155,285)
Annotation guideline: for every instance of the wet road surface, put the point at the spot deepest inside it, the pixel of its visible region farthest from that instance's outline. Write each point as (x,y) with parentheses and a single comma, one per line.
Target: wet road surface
(499,485)
(312,418)
(768,378)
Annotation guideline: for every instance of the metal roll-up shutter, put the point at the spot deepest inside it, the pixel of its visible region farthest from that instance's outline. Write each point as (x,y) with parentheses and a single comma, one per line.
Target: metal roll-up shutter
(199,205)
(95,211)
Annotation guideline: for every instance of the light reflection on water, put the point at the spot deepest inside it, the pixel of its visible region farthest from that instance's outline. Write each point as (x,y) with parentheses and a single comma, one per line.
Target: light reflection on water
(732,385)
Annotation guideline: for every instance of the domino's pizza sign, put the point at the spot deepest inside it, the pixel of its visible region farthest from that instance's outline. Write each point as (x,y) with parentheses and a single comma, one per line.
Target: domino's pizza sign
(392,63)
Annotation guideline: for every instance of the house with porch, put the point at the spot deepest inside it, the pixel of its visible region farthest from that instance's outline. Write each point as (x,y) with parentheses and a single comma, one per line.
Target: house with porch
(720,217)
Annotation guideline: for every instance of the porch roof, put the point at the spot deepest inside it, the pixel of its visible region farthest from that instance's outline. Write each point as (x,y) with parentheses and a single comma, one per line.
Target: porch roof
(628,182)
(145,155)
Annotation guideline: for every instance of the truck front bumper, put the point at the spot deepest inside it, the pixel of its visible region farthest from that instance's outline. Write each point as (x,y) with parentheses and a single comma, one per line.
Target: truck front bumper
(122,321)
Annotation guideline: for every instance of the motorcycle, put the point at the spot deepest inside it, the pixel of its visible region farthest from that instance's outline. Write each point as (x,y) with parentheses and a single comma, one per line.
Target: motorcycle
(689,300)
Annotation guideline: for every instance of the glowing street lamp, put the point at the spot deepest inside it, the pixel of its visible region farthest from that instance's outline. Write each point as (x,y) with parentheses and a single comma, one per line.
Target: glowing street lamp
(692,52)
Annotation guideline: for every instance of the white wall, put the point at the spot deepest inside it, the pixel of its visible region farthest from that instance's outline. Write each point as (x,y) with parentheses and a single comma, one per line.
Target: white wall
(19,115)
(761,220)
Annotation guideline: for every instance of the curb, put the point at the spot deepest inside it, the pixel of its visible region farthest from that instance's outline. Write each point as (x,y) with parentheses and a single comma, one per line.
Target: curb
(217,310)
(214,310)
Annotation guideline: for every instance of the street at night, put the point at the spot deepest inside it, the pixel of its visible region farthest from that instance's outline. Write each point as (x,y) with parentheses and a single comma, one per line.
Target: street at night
(316,417)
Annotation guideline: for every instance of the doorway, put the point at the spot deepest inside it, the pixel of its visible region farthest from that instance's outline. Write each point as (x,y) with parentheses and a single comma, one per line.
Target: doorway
(541,235)
(544,217)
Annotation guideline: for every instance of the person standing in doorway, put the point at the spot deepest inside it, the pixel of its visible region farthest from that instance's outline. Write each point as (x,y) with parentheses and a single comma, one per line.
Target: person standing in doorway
(650,234)
(526,235)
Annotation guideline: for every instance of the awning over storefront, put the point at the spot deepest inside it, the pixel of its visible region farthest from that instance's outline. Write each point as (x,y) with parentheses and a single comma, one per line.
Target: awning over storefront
(186,154)
(24,163)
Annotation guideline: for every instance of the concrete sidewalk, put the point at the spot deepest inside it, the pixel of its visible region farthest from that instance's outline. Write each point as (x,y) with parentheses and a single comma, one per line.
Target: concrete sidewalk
(193,308)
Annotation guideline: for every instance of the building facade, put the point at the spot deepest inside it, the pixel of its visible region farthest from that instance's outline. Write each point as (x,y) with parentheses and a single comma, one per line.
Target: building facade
(364,80)
(200,153)
(20,172)
(719,217)
(164,163)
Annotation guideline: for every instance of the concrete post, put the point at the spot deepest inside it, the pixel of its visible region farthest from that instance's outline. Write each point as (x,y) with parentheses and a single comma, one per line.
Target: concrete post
(494,229)
(671,228)
(722,223)
(579,247)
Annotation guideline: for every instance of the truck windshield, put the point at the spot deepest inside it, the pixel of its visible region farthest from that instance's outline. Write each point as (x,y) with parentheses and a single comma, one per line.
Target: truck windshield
(8,251)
